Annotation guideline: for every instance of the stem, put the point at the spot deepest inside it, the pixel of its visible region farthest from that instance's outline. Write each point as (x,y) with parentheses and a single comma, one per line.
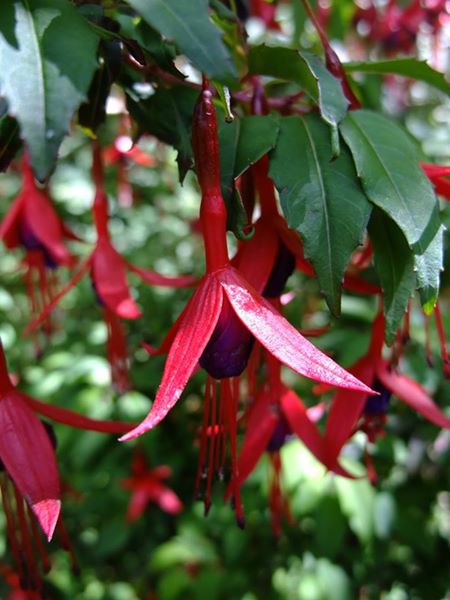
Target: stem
(213,214)
(100,206)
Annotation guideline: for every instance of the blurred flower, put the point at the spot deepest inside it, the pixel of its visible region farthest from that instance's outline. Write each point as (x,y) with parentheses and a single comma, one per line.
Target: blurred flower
(108,271)
(352,410)
(147,485)
(438,175)
(32,223)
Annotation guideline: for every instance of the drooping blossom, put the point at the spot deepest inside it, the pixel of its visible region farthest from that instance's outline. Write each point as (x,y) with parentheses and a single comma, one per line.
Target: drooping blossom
(33,224)
(29,480)
(276,415)
(351,410)
(205,325)
(148,485)
(108,272)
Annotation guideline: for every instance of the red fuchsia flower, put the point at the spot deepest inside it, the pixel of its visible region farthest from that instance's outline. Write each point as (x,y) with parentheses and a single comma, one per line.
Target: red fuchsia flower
(121,153)
(352,410)
(32,224)
(276,415)
(206,331)
(29,481)
(108,272)
(147,485)
(438,175)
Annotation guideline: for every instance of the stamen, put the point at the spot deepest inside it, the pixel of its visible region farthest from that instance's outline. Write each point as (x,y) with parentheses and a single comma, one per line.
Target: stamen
(66,544)
(11,525)
(116,349)
(32,574)
(46,565)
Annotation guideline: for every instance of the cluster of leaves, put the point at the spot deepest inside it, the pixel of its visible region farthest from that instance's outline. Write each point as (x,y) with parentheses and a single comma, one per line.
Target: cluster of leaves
(342,175)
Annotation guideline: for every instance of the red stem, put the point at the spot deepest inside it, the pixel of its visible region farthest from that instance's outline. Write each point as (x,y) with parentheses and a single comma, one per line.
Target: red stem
(213,214)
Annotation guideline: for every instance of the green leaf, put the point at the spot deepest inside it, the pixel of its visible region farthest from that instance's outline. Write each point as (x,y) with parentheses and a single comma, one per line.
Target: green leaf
(242,143)
(47,60)
(428,267)
(394,262)
(187,24)
(258,135)
(321,199)
(388,165)
(167,115)
(308,71)
(408,66)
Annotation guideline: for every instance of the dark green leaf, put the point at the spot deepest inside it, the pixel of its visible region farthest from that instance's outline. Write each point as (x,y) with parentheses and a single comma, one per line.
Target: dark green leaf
(92,113)
(242,143)
(258,135)
(428,268)
(187,24)
(308,71)
(47,60)
(388,164)
(394,262)
(321,199)
(9,140)
(409,67)
(167,115)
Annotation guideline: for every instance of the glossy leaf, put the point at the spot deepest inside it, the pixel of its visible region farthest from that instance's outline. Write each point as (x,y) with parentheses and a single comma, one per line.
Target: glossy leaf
(407,66)
(42,45)
(393,180)
(308,71)
(394,263)
(242,143)
(317,197)
(187,24)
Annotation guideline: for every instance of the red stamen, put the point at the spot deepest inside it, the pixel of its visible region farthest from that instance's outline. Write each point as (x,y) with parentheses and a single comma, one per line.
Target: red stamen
(11,527)
(66,544)
(116,349)
(32,573)
(46,565)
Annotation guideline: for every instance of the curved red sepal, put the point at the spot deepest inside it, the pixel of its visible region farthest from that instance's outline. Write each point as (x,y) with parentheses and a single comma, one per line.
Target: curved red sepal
(73,419)
(154,278)
(412,394)
(109,274)
(280,338)
(29,459)
(195,328)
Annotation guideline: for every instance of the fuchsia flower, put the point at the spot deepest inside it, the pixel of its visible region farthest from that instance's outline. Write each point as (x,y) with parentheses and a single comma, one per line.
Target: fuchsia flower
(29,483)
(206,331)
(108,271)
(352,410)
(147,485)
(32,224)
(438,175)
(276,415)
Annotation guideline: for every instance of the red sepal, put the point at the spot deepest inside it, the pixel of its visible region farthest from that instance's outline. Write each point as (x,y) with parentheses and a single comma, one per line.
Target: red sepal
(194,331)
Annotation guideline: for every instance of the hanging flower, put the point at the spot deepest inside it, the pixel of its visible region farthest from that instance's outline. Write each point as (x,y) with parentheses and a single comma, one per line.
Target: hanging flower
(108,272)
(29,482)
(32,224)
(352,410)
(205,322)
